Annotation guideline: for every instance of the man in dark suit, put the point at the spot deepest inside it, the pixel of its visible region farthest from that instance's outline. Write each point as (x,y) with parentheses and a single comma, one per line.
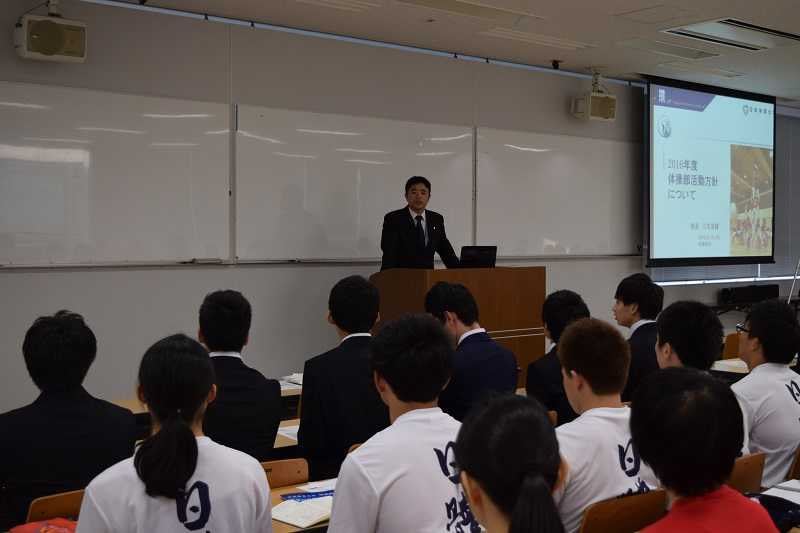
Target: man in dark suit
(480,365)
(340,405)
(66,437)
(412,234)
(544,380)
(637,303)
(247,410)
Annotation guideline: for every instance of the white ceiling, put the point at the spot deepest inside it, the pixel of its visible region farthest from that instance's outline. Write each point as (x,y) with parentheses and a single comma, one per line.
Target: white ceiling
(600,24)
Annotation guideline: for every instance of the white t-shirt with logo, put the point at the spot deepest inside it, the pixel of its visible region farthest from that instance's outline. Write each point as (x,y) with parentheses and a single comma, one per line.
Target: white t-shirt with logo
(228,493)
(403,479)
(770,399)
(601,462)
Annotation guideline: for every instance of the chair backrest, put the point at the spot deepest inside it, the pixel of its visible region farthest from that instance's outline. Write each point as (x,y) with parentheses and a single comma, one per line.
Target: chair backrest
(627,514)
(286,472)
(731,348)
(747,472)
(63,505)
(354,447)
(794,470)
(553,416)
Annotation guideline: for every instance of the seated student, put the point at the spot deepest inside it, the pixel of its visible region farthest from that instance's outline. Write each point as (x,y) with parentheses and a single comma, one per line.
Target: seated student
(247,409)
(601,461)
(770,393)
(340,404)
(480,364)
(65,437)
(403,479)
(507,453)
(687,426)
(179,479)
(637,303)
(544,381)
(689,334)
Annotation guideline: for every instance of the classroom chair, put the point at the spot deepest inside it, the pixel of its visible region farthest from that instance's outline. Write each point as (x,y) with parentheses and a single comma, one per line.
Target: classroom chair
(553,416)
(747,472)
(62,505)
(794,470)
(627,514)
(731,347)
(354,447)
(286,472)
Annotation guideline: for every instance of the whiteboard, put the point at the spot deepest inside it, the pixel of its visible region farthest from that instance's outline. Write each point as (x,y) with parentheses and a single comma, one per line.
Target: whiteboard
(316,186)
(97,177)
(542,194)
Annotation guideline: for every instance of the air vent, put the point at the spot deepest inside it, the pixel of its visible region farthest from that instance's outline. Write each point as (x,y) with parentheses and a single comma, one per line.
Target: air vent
(537,39)
(356,6)
(667,49)
(683,66)
(737,34)
(475,9)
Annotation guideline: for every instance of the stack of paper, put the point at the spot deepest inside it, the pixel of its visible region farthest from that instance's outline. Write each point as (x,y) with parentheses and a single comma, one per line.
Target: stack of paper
(304,513)
(788,490)
(319,486)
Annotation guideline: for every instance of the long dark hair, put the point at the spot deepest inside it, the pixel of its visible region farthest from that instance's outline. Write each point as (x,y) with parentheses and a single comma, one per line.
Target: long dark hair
(175,377)
(509,446)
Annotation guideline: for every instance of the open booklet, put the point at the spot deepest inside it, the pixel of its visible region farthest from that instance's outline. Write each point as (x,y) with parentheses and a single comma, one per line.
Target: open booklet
(304,513)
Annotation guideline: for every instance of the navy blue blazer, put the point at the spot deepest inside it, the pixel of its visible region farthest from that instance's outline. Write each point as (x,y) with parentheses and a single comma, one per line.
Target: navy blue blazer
(480,365)
(401,248)
(643,358)
(544,382)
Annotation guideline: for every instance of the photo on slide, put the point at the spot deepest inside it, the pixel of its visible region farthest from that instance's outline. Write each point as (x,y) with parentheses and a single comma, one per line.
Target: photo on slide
(751,201)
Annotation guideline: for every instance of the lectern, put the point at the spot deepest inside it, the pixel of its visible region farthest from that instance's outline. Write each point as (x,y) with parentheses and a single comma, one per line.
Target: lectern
(509,302)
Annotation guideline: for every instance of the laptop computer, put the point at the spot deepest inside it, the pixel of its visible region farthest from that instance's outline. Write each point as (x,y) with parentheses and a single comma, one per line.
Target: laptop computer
(478,256)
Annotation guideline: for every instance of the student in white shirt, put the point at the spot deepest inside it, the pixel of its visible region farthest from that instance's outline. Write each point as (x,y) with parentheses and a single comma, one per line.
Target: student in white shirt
(507,453)
(689,334)
(179,479)
(404,477)
(770,393)
(601,460)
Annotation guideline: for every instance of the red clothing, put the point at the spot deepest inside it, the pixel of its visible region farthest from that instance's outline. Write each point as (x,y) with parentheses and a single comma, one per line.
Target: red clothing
(723,510)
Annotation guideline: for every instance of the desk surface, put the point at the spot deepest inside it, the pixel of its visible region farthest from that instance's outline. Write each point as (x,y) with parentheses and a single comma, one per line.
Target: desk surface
(281,527)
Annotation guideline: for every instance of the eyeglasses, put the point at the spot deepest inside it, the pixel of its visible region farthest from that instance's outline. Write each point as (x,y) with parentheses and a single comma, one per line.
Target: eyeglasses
(740,328)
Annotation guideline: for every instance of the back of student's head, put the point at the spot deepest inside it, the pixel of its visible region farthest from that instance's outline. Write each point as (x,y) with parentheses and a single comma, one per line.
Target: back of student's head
(58,351)
(452,297)
(561,308)
(598,352)
(353,304)
(694,332)
(175,378)
(639,289)
(509,447)
(687,426)
(225,321)
(774,324)
(414,355)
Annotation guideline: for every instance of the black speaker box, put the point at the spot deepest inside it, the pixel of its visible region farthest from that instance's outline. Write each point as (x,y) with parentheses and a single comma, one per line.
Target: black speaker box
(748,294)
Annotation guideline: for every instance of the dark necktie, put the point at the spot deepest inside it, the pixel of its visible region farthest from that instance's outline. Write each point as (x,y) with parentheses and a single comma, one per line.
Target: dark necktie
(420,232)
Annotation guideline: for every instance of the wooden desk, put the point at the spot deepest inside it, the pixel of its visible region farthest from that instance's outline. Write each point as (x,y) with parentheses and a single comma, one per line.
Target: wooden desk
(281,527)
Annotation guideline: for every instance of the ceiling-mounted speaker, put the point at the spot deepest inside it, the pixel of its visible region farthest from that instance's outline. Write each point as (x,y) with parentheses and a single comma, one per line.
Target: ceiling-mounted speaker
(50,39)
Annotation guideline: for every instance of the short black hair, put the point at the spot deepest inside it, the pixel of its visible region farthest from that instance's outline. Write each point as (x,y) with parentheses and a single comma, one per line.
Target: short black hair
(353,304)
(414,355)
(452,297)
(561,308)
(597,351)
(225,321)
(639,289)
(694,332)
(774,324)
(687,425)
(58,351)
(416,180)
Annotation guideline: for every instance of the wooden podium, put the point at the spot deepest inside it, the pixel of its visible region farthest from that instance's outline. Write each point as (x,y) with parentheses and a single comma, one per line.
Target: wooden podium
(509,302)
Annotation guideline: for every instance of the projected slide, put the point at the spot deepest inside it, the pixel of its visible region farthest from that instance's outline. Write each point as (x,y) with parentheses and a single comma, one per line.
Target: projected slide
(711,172)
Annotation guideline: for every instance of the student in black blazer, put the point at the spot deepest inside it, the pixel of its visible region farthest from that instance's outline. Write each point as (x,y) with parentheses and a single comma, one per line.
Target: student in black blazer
(544,380)
(340,405)
(637,303)
(412,234)
(66,437)
(480,365)
(247,410)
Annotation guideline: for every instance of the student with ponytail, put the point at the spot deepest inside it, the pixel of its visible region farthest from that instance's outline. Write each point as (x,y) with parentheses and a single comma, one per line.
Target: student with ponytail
(179,479)
(508,456)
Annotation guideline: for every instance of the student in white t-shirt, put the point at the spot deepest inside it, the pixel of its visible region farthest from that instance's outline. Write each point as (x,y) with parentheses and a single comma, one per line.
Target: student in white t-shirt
(404,478)
(179,479)
(770,393)
(601,460)
(508,456)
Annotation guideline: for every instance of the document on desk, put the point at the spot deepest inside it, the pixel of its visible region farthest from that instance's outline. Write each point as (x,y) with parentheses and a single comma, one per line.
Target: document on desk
(290,432)
(788,490)
(304,513)
(318,486)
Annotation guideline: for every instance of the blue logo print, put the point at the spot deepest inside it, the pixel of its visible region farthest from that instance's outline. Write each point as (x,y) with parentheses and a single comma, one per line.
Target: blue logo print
(794,390)
(664,127)
(629,459)
(194,506)
(459,515)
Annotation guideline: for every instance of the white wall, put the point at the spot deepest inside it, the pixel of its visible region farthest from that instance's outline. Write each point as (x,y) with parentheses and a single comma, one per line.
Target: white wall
(143,53)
